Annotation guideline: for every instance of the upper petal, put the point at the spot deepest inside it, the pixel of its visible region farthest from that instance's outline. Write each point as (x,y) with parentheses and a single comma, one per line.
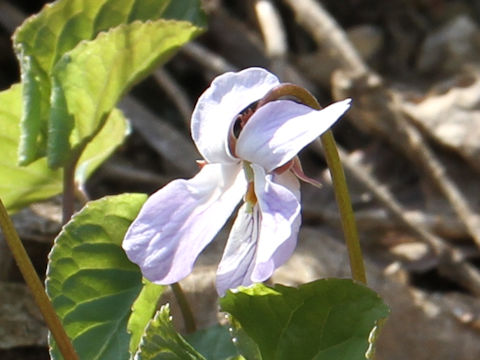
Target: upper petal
(178,221)
(218,106)
(277,131)
(279,202)
(235,268)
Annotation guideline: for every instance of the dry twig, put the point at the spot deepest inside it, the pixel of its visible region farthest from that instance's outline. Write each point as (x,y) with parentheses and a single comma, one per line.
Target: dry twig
(326,32)
(175,93)
(10,16)
(437,171)
(163,138)
(117,170)
(206,58)
(272,29)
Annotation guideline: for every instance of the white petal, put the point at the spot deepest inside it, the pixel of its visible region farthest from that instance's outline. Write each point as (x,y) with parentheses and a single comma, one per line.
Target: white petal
(179,220)
(238,259)
(279,201)
(277,131)
(219,105)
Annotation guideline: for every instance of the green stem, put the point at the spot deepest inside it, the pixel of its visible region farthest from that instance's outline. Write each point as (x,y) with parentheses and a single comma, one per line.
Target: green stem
(345,207)
(338,177)
(69,190)
(188,318)
(33,282)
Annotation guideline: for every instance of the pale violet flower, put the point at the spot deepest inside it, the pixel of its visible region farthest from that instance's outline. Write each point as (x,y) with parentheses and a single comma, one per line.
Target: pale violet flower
(248,153)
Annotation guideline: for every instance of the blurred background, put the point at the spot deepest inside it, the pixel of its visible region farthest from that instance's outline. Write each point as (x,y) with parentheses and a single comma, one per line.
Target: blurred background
(410,146)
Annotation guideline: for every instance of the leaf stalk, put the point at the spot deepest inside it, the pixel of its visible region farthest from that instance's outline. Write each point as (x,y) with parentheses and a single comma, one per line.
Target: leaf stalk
(36,287)
(187,313)
(69,188)
(344,203)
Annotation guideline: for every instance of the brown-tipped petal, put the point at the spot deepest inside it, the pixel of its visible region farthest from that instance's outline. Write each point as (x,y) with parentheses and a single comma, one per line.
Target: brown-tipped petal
(201,163)
(298,171)
(285,167)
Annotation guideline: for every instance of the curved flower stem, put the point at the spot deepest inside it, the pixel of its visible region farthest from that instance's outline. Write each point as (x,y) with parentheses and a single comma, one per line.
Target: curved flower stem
(338,177)
(68,206)
(345,207)
(188,318)
(33,282)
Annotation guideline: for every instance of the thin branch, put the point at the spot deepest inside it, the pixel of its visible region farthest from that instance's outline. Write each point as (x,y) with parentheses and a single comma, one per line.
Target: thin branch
(128,173)
(436,170)
(272,29)
(10,16)
(175,92)
(327,33)
(206,58)
(166,140)
(276,44)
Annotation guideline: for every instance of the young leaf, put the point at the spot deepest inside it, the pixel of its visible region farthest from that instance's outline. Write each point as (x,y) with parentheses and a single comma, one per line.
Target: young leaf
(20,186)
(161,341)
(43,39)
(214,343)
(325,319)
(142,312)
(23,185)
(89,80)
(91,282)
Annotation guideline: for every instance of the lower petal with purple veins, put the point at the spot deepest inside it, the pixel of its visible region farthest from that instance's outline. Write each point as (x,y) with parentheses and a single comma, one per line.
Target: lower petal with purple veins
(179,220)
(279,203)
(238,259)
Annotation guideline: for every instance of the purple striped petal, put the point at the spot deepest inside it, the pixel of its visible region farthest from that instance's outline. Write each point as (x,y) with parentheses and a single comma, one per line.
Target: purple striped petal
(179,220)
(238,259)
(277,131)
(279,202)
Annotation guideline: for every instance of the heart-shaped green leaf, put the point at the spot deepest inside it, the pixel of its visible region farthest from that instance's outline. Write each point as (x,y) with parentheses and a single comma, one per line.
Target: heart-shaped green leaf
(91,282)
(329,319)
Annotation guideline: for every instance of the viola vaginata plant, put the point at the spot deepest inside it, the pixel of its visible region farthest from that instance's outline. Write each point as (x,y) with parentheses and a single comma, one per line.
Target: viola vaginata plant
(113,259)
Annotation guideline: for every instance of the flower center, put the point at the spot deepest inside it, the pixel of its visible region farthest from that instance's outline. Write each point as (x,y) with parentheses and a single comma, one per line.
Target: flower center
(242,118)
(250,197)
(238,124)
